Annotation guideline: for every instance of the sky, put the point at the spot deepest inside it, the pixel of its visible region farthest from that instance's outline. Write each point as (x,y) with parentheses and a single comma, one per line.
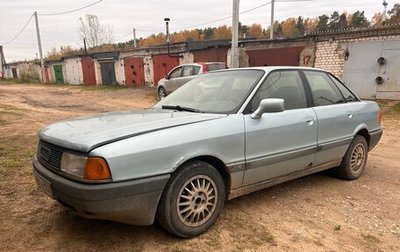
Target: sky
(147,16)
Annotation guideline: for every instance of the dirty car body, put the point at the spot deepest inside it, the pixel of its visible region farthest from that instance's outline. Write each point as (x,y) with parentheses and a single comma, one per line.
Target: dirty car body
(222,135)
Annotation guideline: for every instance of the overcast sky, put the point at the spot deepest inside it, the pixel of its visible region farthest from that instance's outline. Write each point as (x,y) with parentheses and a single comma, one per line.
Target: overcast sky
(146,16)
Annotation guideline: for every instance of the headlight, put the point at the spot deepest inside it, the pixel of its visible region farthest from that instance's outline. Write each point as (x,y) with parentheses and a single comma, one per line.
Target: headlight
(73,164)
(91,168)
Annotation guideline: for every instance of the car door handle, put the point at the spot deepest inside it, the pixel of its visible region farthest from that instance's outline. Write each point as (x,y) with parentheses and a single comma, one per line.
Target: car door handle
(350,114)
(309,120)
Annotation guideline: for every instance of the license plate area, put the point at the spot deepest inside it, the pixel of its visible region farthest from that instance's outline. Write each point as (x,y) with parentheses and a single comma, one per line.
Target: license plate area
(44,185)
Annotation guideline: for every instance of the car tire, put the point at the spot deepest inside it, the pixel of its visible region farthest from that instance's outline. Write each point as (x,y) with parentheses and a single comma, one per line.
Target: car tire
(355,159)
(192,200)
(162,93)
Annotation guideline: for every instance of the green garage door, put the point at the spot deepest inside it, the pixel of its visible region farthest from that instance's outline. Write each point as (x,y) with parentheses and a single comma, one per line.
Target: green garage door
(58,73)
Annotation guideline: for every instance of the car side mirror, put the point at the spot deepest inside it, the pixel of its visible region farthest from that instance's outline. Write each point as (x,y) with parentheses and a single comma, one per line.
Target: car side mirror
(166,77)
(270,105)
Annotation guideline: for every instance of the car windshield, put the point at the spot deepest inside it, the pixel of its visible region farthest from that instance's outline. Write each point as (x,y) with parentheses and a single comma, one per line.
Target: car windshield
(217,92)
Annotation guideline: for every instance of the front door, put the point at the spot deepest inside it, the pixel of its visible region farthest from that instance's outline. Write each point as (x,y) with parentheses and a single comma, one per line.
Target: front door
(280,143)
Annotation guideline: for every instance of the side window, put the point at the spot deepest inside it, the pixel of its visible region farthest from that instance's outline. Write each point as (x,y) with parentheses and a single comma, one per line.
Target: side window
(347,94)
(323,89)
(176,73)
(196,70)
(187,71)
(286,85)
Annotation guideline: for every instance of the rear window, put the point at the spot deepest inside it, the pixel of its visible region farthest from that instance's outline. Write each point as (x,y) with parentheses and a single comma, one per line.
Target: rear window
(213,67)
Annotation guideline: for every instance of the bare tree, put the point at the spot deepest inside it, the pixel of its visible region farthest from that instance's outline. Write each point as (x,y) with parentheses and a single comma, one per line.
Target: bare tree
(95,33)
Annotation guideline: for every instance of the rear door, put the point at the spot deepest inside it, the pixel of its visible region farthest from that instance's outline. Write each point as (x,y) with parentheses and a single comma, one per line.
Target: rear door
(173,81)
(336,121)
(280,143)
(188,73)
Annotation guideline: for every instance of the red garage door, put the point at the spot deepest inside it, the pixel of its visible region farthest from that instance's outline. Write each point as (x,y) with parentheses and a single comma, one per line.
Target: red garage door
(211,55)
(289,56)
(162,64)
(134,72)
(89,76)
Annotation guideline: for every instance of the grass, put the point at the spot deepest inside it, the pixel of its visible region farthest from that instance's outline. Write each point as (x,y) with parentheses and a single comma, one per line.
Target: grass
(255,234)
(370,238)
(393,112)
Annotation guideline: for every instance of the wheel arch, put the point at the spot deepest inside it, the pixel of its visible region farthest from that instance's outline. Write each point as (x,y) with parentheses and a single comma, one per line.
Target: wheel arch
(364,133)
(217,163)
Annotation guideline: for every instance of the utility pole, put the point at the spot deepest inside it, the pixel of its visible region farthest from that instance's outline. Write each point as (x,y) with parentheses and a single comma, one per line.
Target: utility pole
(40,45)
(134,38)
(235,35)
(272,19)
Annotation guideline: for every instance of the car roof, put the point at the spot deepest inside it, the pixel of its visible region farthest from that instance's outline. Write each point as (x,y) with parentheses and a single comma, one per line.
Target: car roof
(271,68)
(200,63)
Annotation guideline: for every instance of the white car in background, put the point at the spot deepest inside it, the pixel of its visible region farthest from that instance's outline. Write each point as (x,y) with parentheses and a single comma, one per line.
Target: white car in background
(184,73)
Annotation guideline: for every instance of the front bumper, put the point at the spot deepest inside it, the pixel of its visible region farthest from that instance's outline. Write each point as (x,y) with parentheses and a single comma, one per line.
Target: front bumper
(132,202)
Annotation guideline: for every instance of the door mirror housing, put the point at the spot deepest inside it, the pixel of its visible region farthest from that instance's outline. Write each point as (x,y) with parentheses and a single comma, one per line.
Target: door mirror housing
(166,77)
(270,105)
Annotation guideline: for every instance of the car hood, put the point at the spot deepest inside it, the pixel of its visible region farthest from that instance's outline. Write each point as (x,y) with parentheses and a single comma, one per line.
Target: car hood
(86,133)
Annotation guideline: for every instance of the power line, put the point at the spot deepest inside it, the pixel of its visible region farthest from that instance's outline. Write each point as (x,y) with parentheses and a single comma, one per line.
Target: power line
(224,18)
(20,32)
(209,22)
(70,11)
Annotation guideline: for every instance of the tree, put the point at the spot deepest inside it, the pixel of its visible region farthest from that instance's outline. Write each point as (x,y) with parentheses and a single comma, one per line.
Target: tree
(377,19)
(256,31)
(94,33)
(300,25)
(322,23)
(343,21)
(334,21)
(222,32)
(153,39)
(394,14)
(289,28)
(310,25)
(278,33)
(243,30)
(208,33)
(64,51)
(358,20)
(186,35)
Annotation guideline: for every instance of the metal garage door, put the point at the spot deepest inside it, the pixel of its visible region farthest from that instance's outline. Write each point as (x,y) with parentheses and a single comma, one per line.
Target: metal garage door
(58,72)
(362,68)
(288,56)
(108,72)
(390,88)
(134,72)
(89,75)
(162,64)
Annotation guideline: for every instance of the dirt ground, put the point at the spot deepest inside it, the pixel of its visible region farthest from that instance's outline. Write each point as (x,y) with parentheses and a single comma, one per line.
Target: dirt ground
(314,213)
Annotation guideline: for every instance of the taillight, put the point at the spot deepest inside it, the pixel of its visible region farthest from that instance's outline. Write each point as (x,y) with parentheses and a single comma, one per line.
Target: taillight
(379,117)
(204,68)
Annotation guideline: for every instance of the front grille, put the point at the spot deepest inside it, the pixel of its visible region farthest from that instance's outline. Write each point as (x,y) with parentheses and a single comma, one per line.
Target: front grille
(49,155)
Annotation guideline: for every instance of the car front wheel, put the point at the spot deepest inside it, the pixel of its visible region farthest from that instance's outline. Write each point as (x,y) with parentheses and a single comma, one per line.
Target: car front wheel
(192,200)
(355,159)
(162,93)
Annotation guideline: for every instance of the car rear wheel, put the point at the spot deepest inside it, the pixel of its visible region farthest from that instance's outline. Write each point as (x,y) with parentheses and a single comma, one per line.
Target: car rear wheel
(192,200)
(354,161)
(162,93)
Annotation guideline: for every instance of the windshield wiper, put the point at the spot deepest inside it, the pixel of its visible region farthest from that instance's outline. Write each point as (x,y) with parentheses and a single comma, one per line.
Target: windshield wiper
(180,108)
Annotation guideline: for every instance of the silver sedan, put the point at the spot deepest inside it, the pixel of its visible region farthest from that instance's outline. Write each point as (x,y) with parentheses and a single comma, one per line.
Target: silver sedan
(222,135)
